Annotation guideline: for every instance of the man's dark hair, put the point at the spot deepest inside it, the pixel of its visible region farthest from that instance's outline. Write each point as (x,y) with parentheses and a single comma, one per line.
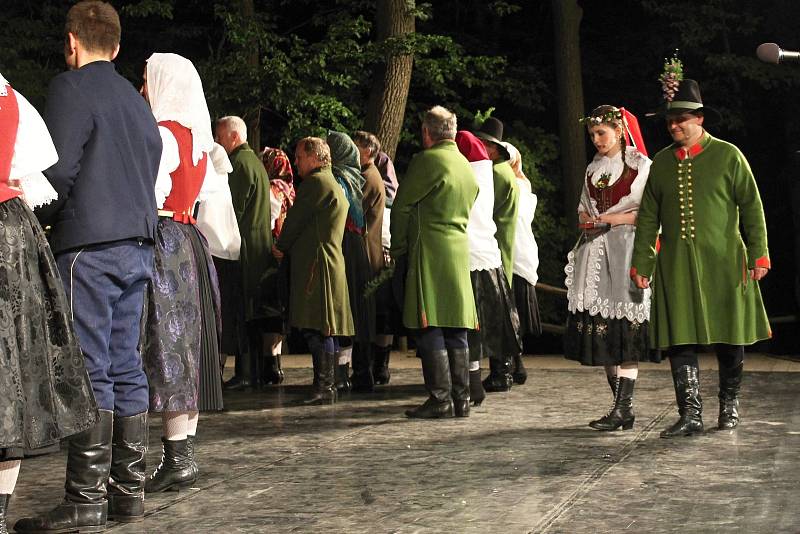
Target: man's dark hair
(95,24)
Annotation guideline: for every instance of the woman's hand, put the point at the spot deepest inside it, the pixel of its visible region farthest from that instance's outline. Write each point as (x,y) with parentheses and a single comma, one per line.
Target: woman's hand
(615,219)
(277,253)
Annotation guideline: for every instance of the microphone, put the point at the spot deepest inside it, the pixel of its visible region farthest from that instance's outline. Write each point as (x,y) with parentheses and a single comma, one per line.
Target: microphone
(772,53)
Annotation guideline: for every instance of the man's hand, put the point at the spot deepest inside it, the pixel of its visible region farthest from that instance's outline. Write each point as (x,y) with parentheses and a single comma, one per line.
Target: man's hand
(758,273)
(277,253)
(642,282)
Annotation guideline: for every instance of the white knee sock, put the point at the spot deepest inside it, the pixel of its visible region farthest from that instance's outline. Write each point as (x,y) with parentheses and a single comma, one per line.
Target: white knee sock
(474,366)
(191,427)
(176,425)
(345,355)
(628,372)
(8,476)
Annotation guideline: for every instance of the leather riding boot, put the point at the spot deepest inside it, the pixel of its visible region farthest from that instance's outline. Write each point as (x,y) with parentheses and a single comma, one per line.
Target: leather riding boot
(436,372)
(271,372)
(459,376)
(499,378)
(476,392)
(690,405)
(176,469)
(363,380)
(518,373)
(621,413)
(324,391)
(190,443)
(380,371)
(84,508)
(128,469)
(730,380)
(4,500)
(342,375)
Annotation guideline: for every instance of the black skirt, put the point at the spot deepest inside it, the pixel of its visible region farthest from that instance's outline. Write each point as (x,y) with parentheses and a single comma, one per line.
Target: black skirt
(359,272)
(592,340)
(45,392)
(498,334)
(527,307)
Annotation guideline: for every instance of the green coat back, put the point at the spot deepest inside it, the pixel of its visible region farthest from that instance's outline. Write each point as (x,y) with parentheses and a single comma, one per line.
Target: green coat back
(312,236)
(429,223)
(506,204)
(250,192)
(701,291)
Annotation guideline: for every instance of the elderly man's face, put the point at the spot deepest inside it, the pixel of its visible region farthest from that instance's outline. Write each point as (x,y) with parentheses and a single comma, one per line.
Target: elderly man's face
(226,137)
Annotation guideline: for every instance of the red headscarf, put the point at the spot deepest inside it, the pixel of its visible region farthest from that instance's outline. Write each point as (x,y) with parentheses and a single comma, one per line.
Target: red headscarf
(470,146)
(279,170)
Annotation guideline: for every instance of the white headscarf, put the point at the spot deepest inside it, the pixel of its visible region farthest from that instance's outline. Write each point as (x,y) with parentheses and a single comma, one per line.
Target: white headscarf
(176,94)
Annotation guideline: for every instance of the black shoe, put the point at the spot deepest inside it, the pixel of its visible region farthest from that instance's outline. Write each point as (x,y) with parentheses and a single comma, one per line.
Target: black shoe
(271,372)
(458,360)
(84,508)
(499,378)
(518,373)
(431,409)
(621,414)
(476,392)
(128,469)
(4,500)
(324,391)
(690,405)
(380,370)
(342,377)
(730,381)
(236,383)
(175,471)
(363,380)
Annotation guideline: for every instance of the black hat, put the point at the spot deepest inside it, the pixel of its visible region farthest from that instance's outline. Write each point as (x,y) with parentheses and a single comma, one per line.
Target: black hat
(687,99)
(492,130)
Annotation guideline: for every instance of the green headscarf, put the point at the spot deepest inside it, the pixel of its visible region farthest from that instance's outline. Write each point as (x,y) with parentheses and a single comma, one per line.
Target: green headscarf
(347,171)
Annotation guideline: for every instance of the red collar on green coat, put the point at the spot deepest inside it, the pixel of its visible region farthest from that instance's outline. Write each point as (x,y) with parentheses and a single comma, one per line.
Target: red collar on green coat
(681,153)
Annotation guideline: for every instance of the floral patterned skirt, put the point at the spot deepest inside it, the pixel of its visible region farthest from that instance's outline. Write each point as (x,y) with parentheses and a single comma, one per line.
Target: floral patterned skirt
(593,340)
(45,392)
(181,342)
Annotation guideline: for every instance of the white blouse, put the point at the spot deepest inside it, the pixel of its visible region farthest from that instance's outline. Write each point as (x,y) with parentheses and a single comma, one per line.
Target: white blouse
(601,165)
(484,252)
(526,251)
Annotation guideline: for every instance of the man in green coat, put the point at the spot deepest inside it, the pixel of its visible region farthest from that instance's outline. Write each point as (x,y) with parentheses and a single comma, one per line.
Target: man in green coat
(312,237)
(250,193)
(429,227)
(705,290)
(506,205)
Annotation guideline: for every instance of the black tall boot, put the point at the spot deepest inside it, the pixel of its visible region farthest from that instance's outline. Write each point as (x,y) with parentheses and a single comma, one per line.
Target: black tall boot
(690,405)
(363,380)
(436,372)
(476,392)
(190,443)
(612,382)
(380,369)
(4,500)
(341,375)
(176,469)
(730,380)
(621,414)
(459,377)
(128,469)
(518,372)
(271,372)
(324,391)
(85,507)
(499,378)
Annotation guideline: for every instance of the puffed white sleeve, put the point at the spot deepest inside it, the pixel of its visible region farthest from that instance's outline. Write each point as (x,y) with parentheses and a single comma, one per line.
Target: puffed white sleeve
(33,153)
(217,169)
(631,201)
(170,159)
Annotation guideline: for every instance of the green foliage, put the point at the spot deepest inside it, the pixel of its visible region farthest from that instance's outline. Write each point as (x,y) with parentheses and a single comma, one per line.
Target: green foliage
(146,8)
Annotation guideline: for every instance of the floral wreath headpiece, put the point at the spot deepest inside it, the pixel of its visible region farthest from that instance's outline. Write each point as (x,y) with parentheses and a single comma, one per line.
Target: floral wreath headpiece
(614,115)
(671,77)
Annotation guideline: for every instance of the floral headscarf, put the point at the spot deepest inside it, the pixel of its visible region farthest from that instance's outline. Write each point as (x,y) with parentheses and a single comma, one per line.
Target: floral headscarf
(347,171)
(515,160)
(279,170)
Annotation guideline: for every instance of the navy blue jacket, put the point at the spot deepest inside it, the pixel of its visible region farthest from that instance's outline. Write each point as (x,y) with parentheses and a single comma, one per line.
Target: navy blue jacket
(109,150)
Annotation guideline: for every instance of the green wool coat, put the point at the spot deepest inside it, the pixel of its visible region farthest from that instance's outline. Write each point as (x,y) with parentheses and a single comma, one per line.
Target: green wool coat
(312,236)
(250,192)
(429,223)
(702,293)
(506,205)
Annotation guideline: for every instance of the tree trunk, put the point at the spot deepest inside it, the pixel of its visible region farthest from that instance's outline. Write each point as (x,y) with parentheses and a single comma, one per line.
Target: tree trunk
(252,117)
(566,21)
(386,107)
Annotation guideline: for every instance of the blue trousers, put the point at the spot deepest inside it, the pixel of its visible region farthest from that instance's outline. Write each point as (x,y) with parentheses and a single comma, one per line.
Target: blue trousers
(105,285)
(441,338)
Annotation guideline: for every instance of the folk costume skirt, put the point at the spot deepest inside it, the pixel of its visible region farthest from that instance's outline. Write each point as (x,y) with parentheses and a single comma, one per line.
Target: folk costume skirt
(45,392)
(527,306)
(593,340)
(359,272)
(498,335)
(181,346)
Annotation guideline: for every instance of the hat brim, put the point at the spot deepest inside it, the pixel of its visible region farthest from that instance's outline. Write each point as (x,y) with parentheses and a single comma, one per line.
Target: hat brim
(493,139)
(712,116)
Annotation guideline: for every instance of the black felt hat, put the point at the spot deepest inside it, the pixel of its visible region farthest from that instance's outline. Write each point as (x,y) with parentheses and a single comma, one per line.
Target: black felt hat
(687,99)
(492,130)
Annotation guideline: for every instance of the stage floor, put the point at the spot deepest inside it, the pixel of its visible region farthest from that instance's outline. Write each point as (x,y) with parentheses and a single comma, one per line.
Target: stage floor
(525,461)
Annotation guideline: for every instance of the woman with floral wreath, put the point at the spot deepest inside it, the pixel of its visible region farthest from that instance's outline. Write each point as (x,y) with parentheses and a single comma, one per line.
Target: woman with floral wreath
(607,324)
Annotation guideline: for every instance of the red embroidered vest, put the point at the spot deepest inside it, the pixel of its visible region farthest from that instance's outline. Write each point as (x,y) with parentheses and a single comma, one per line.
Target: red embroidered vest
(608,196)
(187,179)
(9,124)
